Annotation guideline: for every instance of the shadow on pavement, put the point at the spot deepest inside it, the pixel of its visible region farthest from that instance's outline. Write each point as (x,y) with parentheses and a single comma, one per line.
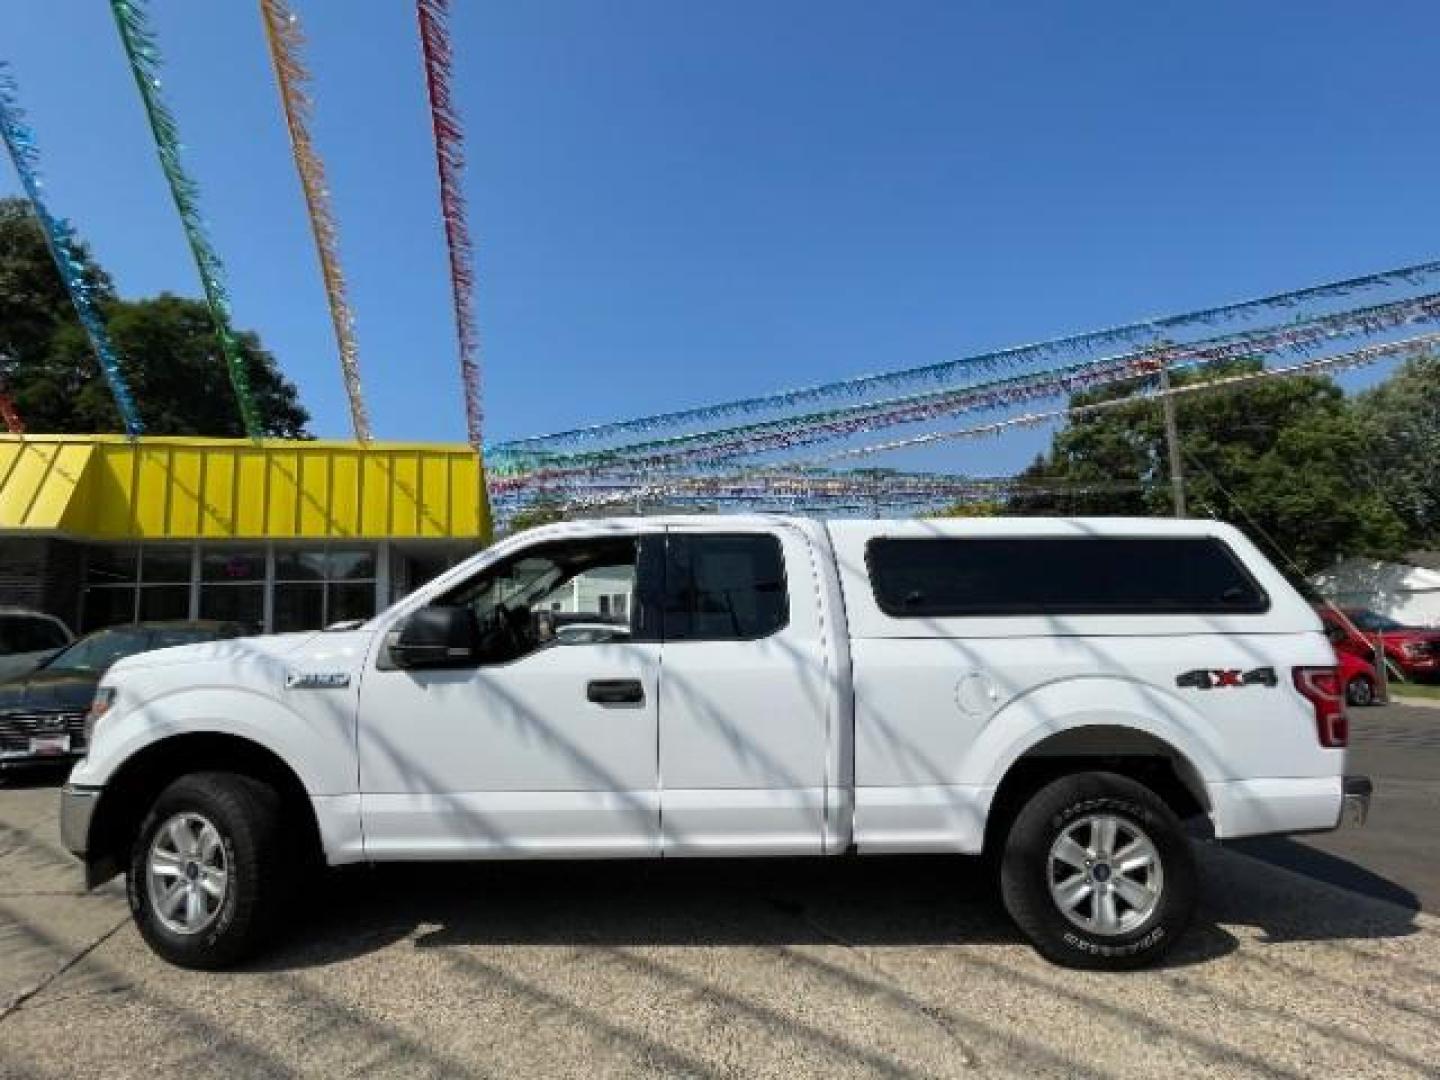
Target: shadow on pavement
(877,901)
(1322,866)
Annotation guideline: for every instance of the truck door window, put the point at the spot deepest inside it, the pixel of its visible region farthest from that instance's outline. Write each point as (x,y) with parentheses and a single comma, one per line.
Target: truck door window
(724,587)
(562,592)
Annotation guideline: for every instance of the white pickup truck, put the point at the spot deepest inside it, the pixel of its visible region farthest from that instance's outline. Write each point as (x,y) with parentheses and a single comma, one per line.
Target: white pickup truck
(1062,694)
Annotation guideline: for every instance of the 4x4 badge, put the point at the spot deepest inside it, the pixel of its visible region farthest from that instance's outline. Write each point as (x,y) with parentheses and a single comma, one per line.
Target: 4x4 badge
(1219,678)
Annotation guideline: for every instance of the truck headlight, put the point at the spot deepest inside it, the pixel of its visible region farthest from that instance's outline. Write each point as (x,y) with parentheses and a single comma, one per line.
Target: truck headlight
(99,706)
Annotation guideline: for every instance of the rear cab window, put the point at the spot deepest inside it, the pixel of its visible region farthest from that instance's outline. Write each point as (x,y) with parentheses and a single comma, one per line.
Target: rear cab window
(930,577)
(724,587)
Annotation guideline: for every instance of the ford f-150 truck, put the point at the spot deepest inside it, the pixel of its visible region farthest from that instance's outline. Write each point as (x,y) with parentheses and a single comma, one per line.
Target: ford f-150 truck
(1066,695)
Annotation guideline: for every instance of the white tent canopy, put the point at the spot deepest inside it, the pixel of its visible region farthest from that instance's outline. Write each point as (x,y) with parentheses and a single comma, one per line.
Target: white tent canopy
(1407,594)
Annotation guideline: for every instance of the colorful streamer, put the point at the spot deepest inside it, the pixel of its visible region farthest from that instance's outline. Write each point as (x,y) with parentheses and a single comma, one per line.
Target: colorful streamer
(143,54)
(64,246)
(1146,332)
(286,42)
(433,17)
(1422,345)
(790,432)
(863,491)
(581,490)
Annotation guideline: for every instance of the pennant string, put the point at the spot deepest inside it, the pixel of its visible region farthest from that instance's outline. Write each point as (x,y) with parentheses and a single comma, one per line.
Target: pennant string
(811,483)
(433,17)
(65,250)
(812,490)
(1372,354)
(143,53)
(1144,332)
(286,44)
(792,432)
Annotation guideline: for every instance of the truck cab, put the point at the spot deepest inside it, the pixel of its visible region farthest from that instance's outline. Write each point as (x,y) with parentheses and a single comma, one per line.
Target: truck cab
(1062,693)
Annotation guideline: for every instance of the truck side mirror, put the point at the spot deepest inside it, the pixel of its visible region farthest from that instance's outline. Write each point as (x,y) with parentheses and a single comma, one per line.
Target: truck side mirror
(437,636)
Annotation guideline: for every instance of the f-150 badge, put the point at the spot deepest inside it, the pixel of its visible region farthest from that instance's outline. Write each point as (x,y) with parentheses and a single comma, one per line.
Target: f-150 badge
(317,680)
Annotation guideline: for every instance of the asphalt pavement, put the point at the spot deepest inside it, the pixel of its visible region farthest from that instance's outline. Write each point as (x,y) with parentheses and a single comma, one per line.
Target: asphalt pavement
(1396,857)
(890,966)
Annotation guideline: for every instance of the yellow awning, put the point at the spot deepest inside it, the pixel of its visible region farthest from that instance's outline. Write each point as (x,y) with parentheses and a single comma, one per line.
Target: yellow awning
(107,487)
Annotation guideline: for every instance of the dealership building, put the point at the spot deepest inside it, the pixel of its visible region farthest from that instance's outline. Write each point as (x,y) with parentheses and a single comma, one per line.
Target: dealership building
(285,535)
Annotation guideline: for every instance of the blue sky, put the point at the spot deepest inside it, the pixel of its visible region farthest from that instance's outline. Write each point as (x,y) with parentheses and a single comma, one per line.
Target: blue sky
(675,202)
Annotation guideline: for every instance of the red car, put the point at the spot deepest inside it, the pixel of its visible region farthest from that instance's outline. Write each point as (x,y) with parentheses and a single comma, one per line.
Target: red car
(1362,687)
(1411,650)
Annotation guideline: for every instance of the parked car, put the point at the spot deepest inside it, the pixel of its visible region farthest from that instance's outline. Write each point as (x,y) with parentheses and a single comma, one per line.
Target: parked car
(1413,651)
(1362,684)
(27,638)
(1059,692)
(42,712)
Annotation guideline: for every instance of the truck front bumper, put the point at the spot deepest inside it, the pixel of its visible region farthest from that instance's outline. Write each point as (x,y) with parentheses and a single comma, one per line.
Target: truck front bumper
(1356,803)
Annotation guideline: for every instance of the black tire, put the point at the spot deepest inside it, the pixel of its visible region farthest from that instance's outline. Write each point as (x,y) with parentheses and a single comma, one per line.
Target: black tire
(1025,872)
(1360,691)
(246,814)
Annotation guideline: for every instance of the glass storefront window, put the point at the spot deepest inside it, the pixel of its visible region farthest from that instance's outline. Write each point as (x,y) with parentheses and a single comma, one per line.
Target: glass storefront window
(298,606)
(111,565)
(234,603)
(167,564)
(299,565)
(232,565)
(312,586)
(351,600)
(317,587)
(350,565)
(164,602)
(412,567)
(107,607)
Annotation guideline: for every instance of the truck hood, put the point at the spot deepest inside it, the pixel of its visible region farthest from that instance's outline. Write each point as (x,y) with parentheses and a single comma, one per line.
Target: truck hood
(268,647)
(48,691)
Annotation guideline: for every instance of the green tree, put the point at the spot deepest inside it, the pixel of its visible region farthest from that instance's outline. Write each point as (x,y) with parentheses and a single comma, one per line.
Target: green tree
(167,347)
(542,510)
(1278,457)
(1400,448)
(975,509)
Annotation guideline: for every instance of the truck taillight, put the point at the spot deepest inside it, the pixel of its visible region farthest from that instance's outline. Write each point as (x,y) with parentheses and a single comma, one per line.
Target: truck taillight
(1321,687)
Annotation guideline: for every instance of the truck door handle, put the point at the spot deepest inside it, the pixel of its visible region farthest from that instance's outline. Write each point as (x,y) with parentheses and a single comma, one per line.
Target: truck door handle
(615,692)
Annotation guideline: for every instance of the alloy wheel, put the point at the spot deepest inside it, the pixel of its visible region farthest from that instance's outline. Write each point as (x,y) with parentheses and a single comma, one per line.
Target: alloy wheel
(187,873)
(1105,874)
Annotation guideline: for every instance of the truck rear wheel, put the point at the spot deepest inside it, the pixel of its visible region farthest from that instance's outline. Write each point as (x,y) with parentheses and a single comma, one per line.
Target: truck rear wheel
(1097,873)
(207,871)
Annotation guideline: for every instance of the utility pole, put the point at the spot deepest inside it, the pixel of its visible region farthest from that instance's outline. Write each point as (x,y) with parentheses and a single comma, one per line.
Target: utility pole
(1172,440)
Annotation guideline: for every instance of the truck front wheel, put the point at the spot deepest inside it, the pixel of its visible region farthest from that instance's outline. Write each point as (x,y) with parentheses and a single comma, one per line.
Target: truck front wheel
(1097,873)
(206,872)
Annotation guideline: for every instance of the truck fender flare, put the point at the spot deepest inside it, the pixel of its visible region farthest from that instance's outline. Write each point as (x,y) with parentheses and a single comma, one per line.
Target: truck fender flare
(1075,703)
